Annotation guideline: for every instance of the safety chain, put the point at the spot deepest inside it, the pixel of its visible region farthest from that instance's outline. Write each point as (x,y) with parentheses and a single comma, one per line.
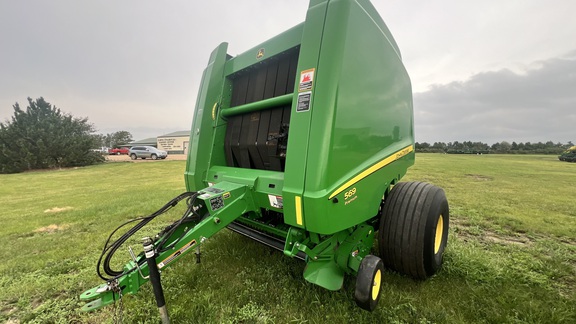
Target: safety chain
(117,316)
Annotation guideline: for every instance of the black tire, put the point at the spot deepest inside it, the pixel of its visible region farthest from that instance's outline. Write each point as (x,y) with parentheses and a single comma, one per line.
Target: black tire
(133,156)
(154,157)
(413,229)
(368,282)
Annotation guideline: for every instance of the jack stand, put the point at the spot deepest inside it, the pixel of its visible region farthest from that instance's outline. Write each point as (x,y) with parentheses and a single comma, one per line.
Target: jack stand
(197,254)
(155,279)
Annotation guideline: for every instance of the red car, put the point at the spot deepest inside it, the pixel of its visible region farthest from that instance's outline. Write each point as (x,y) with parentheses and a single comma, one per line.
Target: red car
(118,151)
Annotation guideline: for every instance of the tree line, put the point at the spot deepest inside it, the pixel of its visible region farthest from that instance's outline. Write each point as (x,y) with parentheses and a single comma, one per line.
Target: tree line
(504,147)
(43,137)
(113,140)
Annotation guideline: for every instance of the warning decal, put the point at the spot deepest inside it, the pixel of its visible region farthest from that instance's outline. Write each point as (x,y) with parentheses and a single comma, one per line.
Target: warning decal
(306,80)
(304,101)
(216,203)
(276,201)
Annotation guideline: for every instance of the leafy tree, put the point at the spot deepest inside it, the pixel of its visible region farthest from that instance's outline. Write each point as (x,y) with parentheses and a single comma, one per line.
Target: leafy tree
(113,140)
(117,139)
(421,146)
(440,146)
(505,146)
(99,140)
(43,137)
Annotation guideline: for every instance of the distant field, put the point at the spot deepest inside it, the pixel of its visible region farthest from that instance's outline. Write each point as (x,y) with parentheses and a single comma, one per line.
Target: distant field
(511,255)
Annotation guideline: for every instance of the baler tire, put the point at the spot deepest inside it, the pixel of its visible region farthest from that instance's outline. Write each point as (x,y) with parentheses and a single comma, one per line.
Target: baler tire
(133,156)
(368,282)
(413,230)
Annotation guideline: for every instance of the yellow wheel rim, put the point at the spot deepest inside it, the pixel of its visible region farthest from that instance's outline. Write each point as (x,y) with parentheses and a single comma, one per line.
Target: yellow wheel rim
(438,236)
(376,284)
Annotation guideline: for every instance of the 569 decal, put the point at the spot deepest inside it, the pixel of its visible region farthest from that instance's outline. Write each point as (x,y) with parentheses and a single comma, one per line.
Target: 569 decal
(348,194)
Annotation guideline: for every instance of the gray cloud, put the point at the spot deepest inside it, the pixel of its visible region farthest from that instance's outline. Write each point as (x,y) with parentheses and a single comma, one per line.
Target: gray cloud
(538,104)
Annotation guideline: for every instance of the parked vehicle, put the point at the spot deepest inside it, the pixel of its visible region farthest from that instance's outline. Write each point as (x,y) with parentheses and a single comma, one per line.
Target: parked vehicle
(102,150)
(144,152)
(569,155)
(118,151)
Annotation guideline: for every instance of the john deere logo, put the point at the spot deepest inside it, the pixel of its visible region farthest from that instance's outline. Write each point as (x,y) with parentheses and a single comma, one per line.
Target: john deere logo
(260,53)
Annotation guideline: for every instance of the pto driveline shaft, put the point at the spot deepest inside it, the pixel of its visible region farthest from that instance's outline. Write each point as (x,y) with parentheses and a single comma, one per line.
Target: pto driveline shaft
(155,279)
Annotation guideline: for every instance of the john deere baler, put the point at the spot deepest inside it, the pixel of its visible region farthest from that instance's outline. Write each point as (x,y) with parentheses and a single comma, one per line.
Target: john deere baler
(299,143)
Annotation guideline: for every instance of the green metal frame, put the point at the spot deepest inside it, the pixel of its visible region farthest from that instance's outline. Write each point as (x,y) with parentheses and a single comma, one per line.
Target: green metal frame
(235,200)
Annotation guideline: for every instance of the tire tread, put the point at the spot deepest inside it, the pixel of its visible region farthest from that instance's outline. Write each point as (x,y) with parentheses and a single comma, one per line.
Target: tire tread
(403,228)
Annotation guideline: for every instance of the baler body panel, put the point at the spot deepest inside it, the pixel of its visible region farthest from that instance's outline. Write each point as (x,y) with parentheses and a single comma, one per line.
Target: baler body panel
(319,116)
(361,115)
(206,132)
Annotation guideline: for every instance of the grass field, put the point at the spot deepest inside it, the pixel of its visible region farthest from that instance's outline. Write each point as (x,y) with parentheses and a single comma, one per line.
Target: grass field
(511,256)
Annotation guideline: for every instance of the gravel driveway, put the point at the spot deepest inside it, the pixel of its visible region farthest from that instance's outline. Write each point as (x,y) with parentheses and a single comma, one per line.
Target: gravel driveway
(126,158)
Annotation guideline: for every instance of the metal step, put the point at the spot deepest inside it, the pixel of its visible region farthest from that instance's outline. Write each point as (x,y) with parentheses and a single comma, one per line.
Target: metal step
(261,237)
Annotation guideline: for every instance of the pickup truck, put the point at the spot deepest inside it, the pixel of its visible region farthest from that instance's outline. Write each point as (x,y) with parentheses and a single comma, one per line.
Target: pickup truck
(118,151)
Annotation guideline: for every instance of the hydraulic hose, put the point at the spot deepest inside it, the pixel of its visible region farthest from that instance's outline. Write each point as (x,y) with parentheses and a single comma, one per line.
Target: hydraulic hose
(111,248)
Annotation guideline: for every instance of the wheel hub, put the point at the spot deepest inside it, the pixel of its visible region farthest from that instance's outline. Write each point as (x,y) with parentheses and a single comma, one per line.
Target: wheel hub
(438,236)
(376,285)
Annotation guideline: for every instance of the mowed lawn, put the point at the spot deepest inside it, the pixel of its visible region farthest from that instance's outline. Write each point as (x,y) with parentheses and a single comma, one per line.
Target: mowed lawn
(511,256)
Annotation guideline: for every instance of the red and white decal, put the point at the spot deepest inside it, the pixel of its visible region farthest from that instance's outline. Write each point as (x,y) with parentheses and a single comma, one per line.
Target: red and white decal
(306,80)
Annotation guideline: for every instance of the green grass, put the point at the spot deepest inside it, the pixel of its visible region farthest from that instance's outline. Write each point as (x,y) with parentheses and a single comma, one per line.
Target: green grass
(511,255)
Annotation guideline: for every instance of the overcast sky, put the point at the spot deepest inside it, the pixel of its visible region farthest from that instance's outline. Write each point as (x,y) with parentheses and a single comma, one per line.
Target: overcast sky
(486,71)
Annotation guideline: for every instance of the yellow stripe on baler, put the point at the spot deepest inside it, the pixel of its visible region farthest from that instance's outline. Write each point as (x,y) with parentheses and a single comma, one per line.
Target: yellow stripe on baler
(395,156)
